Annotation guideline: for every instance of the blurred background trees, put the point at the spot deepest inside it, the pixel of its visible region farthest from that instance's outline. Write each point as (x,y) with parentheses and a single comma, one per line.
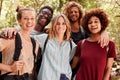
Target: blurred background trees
(8,7)
(8,13)
(112,7)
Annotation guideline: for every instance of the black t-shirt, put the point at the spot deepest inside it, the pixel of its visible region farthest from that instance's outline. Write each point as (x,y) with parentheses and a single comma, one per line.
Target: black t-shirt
(77,36)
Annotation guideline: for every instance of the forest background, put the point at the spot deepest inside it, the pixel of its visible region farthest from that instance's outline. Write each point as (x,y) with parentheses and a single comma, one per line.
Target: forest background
(112,7)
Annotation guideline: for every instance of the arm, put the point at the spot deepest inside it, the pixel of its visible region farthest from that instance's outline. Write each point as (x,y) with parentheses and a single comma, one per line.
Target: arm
(3,44)
(17,65)
(8,33)
(75,62)
(108,69)
(104,39)
(4,67)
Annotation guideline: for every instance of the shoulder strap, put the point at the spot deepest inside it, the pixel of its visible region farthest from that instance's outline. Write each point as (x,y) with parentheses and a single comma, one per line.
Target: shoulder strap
(70,45)
(18,47)
(34,47)
(45,45)
(82,42)
(83,32)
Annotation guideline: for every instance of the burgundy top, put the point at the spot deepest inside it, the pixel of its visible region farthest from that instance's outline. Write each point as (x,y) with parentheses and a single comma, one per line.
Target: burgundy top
(93,59)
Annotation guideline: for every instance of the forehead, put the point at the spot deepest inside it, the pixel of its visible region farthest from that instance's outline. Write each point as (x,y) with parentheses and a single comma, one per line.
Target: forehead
(93,18)
(28,13)
(47,10)
(74,8)
(61,19)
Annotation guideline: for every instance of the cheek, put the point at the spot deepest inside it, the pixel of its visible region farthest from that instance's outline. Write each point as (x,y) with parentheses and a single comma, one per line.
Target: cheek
(22,23)
(100,26)
(65,28)
(34,22)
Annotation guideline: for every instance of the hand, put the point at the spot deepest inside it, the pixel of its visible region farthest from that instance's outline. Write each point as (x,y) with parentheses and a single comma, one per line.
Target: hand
(104,39)
(8,33)
(17,66)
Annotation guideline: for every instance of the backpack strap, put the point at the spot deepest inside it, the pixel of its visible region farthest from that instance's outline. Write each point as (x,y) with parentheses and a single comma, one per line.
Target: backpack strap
(82,43)
(70,48)
(45,45)
(82,31)
(39,57)
(70,44)
(34,47)
(18,47)
(35,59)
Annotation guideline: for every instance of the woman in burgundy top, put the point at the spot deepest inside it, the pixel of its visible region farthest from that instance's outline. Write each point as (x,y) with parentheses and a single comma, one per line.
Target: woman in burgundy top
(95,61)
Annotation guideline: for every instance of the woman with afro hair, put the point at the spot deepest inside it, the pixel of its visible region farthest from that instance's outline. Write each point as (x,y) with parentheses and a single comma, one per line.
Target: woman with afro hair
(95,61)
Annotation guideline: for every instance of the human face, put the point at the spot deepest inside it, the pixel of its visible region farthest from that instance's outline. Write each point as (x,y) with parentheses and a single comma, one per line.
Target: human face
(60,26)
(44,17)
(27,22)
(94,25)
(73,14)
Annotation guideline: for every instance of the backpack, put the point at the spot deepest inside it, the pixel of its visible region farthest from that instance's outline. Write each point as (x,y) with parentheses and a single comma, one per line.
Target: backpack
(18,47)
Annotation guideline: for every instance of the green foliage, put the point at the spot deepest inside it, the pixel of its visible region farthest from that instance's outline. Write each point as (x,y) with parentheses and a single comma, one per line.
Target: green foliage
(8,14)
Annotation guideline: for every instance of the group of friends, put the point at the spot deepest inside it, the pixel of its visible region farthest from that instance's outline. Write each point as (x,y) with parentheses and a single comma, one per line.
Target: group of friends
(76,41)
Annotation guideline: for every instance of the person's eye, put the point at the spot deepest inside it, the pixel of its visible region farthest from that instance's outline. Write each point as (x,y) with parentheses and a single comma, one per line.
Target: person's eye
(89,22)
(76,11)
(64,23)
(25,18)
(96,21)
(58,23)
(49,15)
(32,18)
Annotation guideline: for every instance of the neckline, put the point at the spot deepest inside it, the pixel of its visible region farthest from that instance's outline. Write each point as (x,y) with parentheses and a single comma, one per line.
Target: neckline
(91,41)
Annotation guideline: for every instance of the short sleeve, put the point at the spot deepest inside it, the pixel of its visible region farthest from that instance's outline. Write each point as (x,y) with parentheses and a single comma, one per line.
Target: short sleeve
(40,39)
(111,50)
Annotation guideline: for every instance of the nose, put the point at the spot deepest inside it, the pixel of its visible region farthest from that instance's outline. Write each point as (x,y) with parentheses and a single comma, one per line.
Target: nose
(29,20)
(92,23)
(46,15)
(73,13)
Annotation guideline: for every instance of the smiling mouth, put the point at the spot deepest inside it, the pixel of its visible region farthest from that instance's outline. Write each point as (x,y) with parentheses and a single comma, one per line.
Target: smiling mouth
(29,25)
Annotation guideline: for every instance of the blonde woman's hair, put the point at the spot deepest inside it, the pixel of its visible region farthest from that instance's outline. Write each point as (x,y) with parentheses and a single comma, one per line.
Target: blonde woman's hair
(53,33)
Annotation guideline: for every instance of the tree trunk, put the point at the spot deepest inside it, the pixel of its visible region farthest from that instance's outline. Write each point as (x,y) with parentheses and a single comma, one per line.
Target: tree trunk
(1,6)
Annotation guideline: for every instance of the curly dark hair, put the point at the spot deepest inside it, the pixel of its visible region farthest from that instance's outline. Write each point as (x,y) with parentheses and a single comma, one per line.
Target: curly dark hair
(99,13)
(69,5)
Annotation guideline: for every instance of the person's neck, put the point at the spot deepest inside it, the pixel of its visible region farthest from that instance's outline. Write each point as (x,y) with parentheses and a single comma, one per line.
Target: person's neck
(38,28)
(60,38)
(75,26)
(25,35)
(94,37)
